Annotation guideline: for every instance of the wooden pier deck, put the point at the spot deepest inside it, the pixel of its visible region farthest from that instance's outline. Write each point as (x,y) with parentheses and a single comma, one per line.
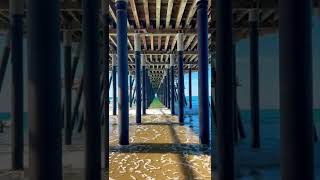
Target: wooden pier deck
(160,148)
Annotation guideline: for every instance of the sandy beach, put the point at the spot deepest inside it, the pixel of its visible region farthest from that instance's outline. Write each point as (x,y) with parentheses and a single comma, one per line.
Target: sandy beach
(160,148)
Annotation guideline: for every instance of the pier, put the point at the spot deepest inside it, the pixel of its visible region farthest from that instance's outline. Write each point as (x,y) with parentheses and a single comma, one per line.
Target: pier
(144,49)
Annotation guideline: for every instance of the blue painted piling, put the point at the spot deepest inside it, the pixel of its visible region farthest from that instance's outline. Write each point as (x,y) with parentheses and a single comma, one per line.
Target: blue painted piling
(203,86)
(44,85)
(296,117)
(16,11)
(224,84)
(122,52)
(137,47)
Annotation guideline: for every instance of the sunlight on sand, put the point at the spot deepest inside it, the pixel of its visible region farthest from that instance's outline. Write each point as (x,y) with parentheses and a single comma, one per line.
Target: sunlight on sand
(160,148)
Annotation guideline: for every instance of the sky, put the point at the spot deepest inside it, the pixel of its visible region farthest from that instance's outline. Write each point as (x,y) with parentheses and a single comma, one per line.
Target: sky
(268,69)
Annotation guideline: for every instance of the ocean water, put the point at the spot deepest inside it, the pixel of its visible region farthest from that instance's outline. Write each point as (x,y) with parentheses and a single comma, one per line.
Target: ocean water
(269,118)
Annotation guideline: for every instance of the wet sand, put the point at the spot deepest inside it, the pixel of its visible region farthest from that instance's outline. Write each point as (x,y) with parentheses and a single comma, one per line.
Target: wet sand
(160,148)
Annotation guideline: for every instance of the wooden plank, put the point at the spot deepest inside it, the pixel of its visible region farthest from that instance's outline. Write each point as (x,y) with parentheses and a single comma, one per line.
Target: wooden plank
(158,13)
(112,14)
(159,43)
(113,41)
(168,18)
(146,12)
(135,13)
(152,43)
(76,19)
(166,44)
(191,13)
(130,44)
(182,7)
(189,41)
(155,52)
(169,12)
(241,16)
(266,15)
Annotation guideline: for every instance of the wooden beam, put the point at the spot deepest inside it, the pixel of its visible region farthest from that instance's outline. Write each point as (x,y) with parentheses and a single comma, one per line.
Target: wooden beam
(146,12)
(158,13)
(169,12)
(191,13)
(194,44)
(159,43)
(182,7)
(155,52)
(130,44)
(67,5)
(266,15)
(241,16)
(112,14)
(173,45)
(135,13)
(166,44)
(189,41)
(168,18)
(144,41)
(152,43)
(71,13)
(113,41)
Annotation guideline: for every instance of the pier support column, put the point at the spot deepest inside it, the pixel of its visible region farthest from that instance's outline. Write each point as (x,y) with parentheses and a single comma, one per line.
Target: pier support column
(44,89)
(137,46)
(254,77)
(190,86)
(180,48)
(202,24)
(5,57)
(16,12)
(224,84)
(147,89)
(165,89)
(296,118)
(144,105)
(114,84)
(91,79)
(106,20)
(130,89)
(234,80)
(67,87)
(168,85)
(172,83)
(122,52)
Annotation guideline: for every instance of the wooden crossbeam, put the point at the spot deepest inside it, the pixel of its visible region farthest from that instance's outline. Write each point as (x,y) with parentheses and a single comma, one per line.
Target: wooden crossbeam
(135,13)
(166,44)
(71,13)
(155,52)
(113,15)
(158,13)
(241,16)
(169,12)
(266,15)
(189,41)
(182,7)
(152,43)
(146,12)
(191,12)
(236,4)
(159,43)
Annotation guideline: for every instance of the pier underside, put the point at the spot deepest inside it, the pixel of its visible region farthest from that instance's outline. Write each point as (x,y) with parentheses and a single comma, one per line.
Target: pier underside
(160,148)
